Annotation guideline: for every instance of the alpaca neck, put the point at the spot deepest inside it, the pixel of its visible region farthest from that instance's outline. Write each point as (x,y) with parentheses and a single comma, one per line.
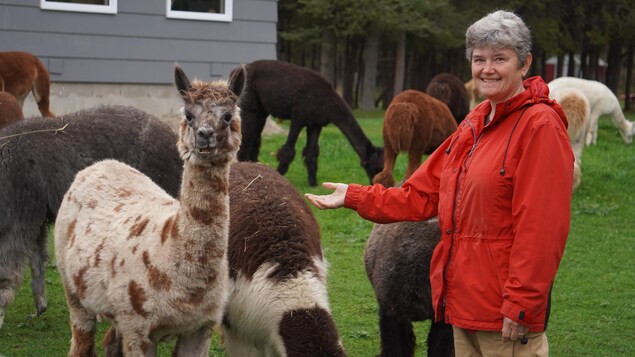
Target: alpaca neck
(203,217)
(347,123)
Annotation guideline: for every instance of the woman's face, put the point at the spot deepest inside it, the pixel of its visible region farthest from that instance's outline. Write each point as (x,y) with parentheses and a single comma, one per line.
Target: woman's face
(497,73)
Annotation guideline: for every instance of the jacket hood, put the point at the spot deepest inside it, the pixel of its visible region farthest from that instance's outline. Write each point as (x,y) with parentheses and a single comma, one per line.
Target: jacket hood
(536,91)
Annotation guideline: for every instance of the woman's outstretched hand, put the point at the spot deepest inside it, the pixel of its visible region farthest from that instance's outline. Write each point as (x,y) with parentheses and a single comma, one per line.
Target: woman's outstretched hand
(333,200)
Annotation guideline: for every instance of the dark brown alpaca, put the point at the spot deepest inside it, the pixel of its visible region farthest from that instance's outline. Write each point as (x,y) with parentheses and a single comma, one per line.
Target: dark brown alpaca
(415,123)
(10,110)
(21,73)
(449,89)
(287,91)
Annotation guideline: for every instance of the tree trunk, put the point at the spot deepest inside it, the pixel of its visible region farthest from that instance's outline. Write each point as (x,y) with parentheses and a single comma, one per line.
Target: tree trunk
(327,57)
(400,64)
(629,77)
(371,54)
(571,66)
(559,66)
(614,60)
(350,69)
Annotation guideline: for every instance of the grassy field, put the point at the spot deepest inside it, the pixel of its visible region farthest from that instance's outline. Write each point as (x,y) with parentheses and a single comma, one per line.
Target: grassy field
(593,297)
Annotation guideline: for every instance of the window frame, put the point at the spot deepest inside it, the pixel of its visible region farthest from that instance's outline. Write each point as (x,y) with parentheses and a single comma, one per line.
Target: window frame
(201,16)
(111,8)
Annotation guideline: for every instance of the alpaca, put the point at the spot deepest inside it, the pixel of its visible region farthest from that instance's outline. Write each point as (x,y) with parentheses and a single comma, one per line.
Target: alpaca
(278,303)
(21,73)
(576,106)
(472,93)
(415,123)
(301,95)
(449,89)
(10,110)
(39,161)
(151,265)
(602,101)
(397,260)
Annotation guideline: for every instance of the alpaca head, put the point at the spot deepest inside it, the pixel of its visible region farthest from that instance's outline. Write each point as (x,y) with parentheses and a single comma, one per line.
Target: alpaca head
(373,162)
(210,129)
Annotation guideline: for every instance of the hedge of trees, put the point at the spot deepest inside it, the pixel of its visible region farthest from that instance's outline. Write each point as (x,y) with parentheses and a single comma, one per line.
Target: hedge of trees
(372,49)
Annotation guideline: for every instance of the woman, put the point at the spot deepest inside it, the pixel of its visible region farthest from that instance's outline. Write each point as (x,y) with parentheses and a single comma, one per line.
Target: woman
(501,186)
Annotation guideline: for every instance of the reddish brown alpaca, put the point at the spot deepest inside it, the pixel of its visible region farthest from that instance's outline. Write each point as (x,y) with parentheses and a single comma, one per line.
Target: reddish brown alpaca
(415,123)
(10,110)
(21,73)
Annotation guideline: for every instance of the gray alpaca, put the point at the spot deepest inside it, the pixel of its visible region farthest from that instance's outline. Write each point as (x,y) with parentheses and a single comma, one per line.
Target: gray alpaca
(397,258)
(40,158)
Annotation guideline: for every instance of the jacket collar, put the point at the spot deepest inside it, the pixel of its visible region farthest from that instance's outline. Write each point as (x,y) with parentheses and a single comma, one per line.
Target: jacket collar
(536,91)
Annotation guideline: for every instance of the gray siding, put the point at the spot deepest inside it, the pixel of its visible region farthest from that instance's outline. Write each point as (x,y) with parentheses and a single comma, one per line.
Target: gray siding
(139,44)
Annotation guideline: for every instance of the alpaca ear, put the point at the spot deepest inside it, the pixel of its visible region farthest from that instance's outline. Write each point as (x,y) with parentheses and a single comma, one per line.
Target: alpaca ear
(181,80)
(237,79)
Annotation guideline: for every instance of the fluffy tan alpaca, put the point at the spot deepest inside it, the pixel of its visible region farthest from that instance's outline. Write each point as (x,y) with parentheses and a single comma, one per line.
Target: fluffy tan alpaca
(151,265)
(472,93)
(578,111)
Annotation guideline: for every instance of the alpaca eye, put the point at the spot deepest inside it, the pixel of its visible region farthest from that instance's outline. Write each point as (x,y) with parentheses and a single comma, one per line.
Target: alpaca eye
(227,117)
(189,117)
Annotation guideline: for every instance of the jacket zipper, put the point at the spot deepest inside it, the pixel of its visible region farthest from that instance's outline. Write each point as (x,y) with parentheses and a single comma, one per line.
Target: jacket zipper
(454,207)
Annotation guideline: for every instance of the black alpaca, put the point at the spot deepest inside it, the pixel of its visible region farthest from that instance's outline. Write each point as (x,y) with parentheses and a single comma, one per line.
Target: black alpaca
(287,91)
(397,259)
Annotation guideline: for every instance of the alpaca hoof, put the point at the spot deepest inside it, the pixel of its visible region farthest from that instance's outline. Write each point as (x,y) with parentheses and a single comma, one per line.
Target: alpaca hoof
(41,307)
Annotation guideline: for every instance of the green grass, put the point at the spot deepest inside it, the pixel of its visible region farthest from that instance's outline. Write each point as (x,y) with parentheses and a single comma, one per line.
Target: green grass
(593,297)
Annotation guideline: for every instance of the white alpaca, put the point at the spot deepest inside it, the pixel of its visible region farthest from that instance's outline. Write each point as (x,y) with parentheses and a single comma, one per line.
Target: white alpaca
(151,265)
(602,101)
(578,111)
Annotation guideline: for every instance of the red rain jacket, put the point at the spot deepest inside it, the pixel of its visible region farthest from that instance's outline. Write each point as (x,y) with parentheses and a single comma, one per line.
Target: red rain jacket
(502,192)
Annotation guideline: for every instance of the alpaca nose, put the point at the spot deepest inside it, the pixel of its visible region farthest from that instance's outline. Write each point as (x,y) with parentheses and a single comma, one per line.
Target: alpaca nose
(205,137)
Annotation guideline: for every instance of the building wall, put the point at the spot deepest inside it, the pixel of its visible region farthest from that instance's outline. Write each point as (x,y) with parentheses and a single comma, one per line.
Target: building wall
(129,57)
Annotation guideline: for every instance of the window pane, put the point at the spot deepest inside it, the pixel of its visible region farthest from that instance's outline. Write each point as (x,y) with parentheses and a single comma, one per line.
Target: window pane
(92,2)
(205,6)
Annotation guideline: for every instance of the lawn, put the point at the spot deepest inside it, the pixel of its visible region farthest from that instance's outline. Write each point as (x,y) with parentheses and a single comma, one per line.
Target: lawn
(593,297)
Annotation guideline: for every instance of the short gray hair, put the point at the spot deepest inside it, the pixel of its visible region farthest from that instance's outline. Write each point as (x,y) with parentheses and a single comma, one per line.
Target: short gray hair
(498,30)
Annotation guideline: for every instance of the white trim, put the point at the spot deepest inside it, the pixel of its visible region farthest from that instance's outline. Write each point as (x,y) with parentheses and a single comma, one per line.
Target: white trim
(111,8)
(204,16)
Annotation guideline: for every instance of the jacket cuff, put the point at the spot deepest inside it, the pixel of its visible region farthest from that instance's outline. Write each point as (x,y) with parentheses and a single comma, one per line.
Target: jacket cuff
(517,313)
(352,196)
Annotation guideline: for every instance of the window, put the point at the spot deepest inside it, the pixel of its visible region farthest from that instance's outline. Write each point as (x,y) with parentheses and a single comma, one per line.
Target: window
(99,6)
(211,10)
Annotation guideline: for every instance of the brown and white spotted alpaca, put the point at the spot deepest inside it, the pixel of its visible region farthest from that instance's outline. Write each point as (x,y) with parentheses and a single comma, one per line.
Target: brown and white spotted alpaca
(151,265)
(278,302)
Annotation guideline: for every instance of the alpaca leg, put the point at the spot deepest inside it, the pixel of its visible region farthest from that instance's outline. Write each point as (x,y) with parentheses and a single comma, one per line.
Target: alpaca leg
(38,261)
(397,337)
(83,327)
(194,344)
(287,152)
(592,134)
(11,269)
(440,340)
(414,160)
(136,343)
(113,346)
(252,123)
(385,177)
(311,152)
(41,91)
(237,346)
